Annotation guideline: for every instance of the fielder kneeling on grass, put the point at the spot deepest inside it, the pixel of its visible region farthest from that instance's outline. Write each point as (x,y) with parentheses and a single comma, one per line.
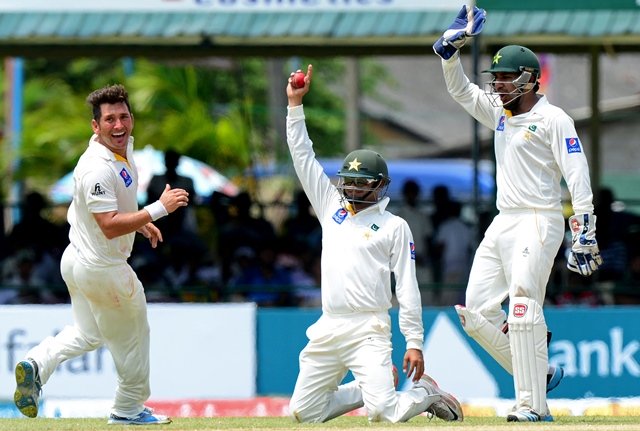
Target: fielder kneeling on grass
(363,244)
(536,145)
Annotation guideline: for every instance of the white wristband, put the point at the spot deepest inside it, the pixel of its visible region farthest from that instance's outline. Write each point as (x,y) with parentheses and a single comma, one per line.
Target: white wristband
(156,210)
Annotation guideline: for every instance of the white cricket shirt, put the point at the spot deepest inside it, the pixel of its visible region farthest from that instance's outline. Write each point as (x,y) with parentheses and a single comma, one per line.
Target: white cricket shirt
(102,183)
(359,251)
(533,150)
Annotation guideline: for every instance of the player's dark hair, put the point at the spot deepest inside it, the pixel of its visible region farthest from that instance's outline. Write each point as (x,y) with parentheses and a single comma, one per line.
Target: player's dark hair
(111,94)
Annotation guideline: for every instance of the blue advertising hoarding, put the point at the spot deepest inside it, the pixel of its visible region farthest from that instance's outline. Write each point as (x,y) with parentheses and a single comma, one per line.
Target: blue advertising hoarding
(599,349)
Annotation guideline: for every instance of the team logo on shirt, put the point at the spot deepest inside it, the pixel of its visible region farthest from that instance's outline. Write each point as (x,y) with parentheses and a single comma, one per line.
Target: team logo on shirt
(340,215)
(533,127)
(501,123)
(412,247)
(97,190)
(126,177)
(374,227)
(573,145)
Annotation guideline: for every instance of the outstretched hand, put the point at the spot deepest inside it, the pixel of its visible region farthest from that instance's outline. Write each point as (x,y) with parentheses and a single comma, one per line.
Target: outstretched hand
(295,95)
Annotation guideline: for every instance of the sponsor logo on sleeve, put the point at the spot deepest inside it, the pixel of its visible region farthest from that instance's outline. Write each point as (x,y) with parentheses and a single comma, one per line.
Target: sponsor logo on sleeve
(412,247)
(97,190)
(340,215)
(573,145)
(126,177)
(500,127)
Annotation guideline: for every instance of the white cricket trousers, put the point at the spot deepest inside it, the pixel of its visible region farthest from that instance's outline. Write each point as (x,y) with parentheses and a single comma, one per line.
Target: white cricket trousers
(360,342)
(109,308)
(514,259)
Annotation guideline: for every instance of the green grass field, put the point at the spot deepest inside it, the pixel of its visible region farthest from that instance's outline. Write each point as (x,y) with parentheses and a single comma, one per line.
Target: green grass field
(422,423)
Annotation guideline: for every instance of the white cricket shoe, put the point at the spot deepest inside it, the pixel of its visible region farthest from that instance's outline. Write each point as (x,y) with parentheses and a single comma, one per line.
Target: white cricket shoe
(145,417)
(527,415)
(447,408)
(28,387)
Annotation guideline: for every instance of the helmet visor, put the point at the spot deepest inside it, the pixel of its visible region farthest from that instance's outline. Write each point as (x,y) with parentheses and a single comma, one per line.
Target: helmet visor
(361,192)
(358,182)
(504,91)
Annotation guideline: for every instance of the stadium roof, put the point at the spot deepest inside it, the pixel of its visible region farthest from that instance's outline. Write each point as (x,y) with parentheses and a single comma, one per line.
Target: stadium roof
(287,28)
(193,33)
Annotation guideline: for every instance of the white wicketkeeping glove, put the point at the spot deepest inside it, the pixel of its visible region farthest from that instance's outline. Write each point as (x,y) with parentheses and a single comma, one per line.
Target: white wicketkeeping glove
(584,257)
(465,25)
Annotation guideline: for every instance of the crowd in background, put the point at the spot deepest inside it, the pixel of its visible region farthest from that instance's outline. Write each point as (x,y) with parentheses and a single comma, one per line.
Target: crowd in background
(242,256)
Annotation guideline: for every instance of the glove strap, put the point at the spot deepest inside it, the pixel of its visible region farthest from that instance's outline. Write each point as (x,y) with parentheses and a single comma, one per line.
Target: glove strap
(444,49)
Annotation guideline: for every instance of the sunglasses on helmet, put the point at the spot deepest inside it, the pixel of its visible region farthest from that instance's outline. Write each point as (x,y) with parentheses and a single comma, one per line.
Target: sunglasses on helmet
(358,182)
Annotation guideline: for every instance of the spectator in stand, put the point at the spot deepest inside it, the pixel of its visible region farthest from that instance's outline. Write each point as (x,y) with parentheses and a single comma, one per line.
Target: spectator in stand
(183,219)
(302,227)
(441,202)
(33,230)
(23,282)
(441,199)
(43,238)
(263,281)
(420,225)
(241,229)
(615,228)
(454,244)
(301,242)
(631,294)
(180,231)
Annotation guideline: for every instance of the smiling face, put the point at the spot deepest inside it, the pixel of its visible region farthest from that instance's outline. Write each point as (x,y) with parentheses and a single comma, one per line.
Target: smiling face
(114,127)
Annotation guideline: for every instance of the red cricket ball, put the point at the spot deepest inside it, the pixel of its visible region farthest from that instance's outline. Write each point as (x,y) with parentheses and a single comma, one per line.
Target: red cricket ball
(297,81)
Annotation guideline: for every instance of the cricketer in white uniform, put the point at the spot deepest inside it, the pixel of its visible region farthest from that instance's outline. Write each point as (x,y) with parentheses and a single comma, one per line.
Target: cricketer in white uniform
(536,145)
(362,244)
(107,299)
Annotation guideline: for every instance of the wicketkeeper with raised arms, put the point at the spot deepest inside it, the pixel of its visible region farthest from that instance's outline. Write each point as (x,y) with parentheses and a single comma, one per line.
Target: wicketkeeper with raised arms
(536,145)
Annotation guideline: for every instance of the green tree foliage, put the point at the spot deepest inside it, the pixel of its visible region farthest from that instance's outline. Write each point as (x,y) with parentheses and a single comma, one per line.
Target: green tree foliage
(324,105)
(176,108)
(213,111)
